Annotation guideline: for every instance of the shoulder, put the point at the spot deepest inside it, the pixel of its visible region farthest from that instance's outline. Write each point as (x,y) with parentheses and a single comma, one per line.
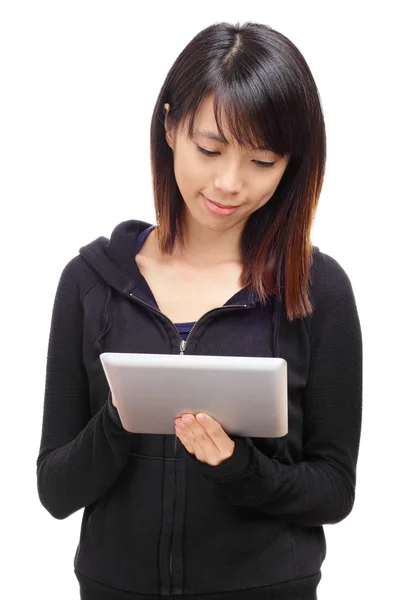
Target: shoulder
(331,294)
(78,276)
(328,278)
(334,323)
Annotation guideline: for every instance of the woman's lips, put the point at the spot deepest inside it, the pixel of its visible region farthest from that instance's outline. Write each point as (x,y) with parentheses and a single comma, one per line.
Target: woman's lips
(216,209)
(222,205)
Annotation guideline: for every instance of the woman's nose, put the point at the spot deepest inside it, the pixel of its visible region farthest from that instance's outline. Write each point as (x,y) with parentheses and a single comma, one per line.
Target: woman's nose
(229,181)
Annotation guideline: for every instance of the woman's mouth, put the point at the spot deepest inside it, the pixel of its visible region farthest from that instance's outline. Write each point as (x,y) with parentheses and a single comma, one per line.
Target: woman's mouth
(216,209)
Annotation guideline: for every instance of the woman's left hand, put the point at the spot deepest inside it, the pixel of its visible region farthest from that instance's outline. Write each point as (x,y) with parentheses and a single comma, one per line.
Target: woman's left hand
(206,439)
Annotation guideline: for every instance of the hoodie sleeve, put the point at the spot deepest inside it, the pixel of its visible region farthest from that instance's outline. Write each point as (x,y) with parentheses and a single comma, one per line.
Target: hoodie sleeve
(80,455)
(321,488)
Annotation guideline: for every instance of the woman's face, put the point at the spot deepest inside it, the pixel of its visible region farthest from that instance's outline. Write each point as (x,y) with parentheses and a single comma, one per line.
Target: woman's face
(232,176)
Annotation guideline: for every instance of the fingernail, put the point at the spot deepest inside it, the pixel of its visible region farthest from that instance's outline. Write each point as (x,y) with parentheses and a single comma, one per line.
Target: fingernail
(188,419)
(201,417)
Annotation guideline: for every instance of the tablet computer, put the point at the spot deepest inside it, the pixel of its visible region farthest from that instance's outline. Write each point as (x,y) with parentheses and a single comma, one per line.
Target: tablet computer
(248,396)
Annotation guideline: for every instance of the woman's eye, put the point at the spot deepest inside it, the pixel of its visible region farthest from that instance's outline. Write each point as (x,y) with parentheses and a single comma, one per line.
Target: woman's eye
(264,164)
(258,162)
(206,152)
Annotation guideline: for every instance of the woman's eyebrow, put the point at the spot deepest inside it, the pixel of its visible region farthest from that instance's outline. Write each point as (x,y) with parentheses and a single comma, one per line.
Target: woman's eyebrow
(211,135)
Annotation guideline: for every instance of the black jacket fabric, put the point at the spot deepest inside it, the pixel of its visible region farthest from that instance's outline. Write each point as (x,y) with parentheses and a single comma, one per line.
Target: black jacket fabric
(158,523)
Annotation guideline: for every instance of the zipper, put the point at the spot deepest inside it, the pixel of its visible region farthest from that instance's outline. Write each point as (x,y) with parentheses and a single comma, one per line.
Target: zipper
(182,347)
(183,343)
(171,542)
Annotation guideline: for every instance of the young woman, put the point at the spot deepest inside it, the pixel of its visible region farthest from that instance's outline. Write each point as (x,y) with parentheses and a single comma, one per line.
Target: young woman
(238,158)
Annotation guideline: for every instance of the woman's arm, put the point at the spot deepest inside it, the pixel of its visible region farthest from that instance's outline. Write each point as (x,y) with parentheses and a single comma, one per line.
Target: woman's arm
(80,456)
(321,488)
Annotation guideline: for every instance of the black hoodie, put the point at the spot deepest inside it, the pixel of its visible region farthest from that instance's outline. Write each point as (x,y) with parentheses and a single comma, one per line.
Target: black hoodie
(158,523)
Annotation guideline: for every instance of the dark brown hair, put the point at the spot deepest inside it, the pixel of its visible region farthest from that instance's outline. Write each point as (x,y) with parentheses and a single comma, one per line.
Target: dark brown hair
(262,83)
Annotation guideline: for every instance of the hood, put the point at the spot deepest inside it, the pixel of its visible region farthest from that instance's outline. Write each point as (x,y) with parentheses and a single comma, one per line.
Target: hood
(114,261)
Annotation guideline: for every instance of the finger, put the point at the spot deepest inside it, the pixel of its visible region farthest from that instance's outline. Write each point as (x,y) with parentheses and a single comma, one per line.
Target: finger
(184,441)
(190,439)
(216,433)
(181,432)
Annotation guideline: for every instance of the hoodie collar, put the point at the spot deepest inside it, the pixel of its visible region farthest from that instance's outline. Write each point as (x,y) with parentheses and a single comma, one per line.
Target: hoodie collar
(114,261)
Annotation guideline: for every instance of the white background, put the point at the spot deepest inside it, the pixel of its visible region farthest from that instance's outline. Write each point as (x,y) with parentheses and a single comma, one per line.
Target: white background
(79,81)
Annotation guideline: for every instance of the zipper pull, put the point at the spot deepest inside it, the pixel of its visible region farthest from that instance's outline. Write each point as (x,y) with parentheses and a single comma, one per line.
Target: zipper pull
(182,346)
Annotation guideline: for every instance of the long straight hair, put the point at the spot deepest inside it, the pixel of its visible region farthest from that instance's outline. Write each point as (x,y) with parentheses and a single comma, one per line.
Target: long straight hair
(263,85)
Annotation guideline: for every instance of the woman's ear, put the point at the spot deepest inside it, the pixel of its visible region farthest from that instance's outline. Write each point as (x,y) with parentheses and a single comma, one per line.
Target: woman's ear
(169,134)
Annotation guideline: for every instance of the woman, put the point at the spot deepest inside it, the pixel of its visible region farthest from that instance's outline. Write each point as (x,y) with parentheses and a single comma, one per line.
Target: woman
(238,159)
